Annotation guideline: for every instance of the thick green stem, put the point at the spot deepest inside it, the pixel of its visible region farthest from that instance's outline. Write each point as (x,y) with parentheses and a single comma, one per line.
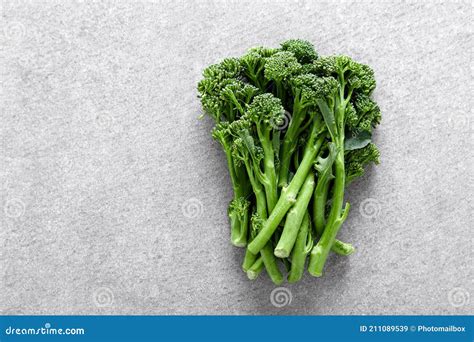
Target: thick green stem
(270,183)
(280,91)
(270,263)
(320,252)
(249,260)
(289,143)
(294,218)
(339,247)
(342,248)
(288,195)
(257,268)
(299,252)
(319,206)
(266,253)
(238,223)
(239,228)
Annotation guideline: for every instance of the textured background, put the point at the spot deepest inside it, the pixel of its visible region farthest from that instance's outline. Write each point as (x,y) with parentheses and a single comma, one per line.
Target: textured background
(113,196)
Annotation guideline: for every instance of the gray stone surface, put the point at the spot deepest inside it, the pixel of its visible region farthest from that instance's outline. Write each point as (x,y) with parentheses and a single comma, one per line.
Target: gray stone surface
(114,195)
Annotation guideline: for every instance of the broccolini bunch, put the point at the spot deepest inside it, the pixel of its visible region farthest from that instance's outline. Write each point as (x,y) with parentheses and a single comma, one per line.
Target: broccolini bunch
(296,130)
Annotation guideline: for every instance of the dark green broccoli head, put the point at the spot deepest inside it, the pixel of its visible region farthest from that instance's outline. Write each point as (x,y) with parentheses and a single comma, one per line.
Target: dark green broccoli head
(216,78)
(253,63)
(244,149)
(263,51)
(231,67)
(313,86)
(267,109)
(281,66)
(239,206)
(238,93)
(366,114)
(302,49)
(302,86)
(257,224)
(239,152)
(359,77)
(356,160)
(222,133)
(239,125)
(325,87)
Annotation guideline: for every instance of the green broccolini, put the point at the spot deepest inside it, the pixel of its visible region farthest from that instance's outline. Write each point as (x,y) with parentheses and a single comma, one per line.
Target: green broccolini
(296,129)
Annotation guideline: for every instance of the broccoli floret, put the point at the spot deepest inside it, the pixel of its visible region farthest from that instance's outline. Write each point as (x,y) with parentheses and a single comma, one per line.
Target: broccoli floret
(238,212)
(217,78)
(264,51)
(253,63)
(357,160)
(367,114)
(266,111)
(355,76)
(281,66)
(302,49)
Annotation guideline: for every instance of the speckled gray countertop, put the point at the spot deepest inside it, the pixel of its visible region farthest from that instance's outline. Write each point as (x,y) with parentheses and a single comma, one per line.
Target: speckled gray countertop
(114,195)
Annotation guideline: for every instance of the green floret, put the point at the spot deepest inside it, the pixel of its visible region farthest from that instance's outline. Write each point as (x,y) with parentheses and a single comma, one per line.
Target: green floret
(367,114)
(266,111)
(357,77)
(264,51)
(357,160)
(302,49)
(279,68)
(238,212)
(235,96)
(231,67)
(216,78)
(253,63)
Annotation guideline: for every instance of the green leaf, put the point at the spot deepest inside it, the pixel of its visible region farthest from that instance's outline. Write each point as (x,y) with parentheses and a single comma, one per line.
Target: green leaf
(329,118)
(358,141)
